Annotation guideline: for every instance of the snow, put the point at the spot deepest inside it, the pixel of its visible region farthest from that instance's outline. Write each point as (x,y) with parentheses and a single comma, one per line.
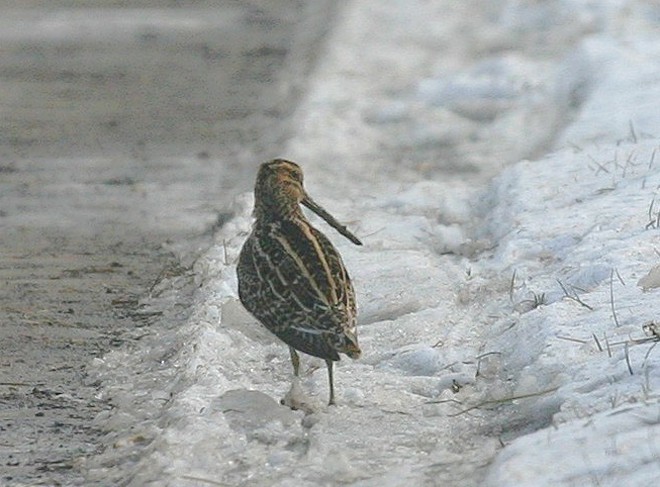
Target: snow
(498,160)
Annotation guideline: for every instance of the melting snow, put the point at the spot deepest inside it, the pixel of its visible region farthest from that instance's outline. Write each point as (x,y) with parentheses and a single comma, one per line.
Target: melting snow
(508,307)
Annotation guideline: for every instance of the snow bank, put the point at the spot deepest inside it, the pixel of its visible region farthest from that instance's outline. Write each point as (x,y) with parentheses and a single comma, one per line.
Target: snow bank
(573,237)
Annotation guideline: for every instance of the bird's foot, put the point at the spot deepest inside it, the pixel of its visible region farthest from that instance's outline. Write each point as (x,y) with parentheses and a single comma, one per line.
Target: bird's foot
(296,399)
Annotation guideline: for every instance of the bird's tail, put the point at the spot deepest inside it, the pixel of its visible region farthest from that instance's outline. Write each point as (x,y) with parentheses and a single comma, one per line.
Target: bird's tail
(349,345)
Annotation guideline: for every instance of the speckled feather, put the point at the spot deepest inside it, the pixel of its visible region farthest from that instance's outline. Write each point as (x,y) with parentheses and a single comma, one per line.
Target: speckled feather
(290,294)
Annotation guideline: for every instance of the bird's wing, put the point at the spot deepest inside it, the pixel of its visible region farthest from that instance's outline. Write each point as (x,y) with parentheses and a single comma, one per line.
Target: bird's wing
(293,281)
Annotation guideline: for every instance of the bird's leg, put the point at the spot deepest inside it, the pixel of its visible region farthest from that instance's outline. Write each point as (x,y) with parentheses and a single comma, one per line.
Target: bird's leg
(295,398)
(332,385)
(295,360)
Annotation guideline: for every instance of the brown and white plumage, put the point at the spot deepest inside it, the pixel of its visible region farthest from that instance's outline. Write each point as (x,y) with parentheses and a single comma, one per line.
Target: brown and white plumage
(290,276)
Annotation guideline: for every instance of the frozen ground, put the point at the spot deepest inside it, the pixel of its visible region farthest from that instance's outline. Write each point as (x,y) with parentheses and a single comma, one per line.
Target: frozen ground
(499,161)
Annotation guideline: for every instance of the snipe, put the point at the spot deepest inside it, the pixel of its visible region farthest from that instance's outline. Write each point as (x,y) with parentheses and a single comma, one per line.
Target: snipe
(291,278)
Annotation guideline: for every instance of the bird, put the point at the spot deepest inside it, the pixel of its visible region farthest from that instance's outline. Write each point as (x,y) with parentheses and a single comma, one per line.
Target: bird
(290,276)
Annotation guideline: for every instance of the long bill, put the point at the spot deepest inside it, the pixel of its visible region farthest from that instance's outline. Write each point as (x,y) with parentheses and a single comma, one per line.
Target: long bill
(312,205)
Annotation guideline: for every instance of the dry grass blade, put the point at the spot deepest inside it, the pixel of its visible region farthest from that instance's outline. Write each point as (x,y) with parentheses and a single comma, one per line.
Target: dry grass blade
(633,134)
(648,353)
(630,162)
(573,296)
(653,219)
(202,480)
(495,402)
(600,166)
(445,401)
(511,285)
(614,316)
(571,339)
(652,160)
(627,354)
(616,271)
(651,208)
(480,358)
(600,348)
(484,355)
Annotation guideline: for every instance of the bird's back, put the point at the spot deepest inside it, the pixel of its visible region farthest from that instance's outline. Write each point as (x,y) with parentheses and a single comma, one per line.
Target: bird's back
(293,280)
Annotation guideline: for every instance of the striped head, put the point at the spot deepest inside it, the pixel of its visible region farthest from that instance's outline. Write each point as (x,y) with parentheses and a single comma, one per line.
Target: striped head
(279,189)
(279,192)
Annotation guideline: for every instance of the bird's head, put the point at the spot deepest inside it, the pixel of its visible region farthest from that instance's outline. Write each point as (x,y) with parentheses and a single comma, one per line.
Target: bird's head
(279,185)
(279,192)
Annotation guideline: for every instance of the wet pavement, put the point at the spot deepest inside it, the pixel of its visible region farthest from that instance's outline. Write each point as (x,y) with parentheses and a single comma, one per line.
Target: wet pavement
(124,134)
